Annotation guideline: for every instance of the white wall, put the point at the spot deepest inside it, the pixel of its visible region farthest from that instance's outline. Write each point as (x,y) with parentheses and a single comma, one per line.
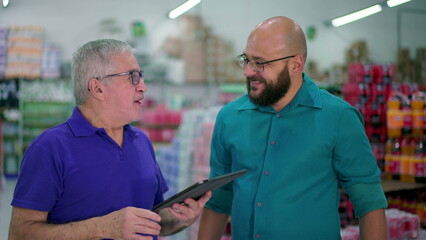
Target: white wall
(73,22)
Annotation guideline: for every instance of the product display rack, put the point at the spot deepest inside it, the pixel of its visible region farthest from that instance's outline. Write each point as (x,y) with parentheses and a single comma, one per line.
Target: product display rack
(10,124)
(40,115)
(42,104)
(11,147)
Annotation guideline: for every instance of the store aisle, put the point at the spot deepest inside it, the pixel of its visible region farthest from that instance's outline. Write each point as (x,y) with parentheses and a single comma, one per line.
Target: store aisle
(5,208)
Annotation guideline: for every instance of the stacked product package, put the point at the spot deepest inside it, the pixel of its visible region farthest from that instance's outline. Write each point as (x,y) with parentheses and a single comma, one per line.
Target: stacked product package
(368,88)
(3,50)
(9,103)
(409,202)
(51,64)
(160,123)
(402,225)
(405,152)
(186,161)
(346,210)
(24,53)
(195,138)
(350,233)
(168,160)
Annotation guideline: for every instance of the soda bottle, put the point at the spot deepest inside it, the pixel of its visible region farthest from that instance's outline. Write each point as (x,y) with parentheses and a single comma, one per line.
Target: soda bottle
(417,105)
(407,123)
(417,168)
(394,117)
(395,159)
(407,152)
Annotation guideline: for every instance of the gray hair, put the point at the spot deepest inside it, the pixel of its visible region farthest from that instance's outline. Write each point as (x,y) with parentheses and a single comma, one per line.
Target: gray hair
(92,60)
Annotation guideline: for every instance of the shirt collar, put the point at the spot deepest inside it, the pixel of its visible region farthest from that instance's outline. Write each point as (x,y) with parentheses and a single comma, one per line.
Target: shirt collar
(81,127)
(308,95)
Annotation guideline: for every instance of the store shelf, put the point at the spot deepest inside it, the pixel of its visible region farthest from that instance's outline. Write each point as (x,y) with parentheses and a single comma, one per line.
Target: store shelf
(395,185)
(43,104)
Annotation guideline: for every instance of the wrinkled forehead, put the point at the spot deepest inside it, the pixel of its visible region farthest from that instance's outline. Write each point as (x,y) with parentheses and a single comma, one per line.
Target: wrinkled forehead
(124,61)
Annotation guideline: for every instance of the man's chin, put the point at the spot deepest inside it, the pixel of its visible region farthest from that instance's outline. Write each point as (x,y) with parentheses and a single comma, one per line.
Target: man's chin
(254,99)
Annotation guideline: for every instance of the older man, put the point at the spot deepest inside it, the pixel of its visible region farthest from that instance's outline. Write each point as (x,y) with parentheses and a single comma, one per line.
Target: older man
(95,176)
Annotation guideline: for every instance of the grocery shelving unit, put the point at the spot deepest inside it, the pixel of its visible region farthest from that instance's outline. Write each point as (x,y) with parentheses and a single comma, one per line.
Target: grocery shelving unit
(42,104)
(40,115)
(396,185)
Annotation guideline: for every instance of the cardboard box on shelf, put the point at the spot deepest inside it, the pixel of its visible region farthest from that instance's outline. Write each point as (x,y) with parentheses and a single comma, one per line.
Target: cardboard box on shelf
(191,27)
(173,47)
(194,56)
(420,66)
(405,71)
(358,52)
(24,53)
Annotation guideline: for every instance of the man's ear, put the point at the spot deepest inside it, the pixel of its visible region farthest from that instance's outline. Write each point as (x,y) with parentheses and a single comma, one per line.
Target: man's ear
(96,88)
(296,65)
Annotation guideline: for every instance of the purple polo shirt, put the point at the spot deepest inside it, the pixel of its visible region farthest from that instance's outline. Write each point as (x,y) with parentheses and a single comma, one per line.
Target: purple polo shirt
(75,171)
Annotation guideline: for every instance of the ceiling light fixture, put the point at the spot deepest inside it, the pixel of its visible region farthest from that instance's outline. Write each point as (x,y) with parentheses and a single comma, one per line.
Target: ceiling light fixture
(5,3)
(337,22)
(183,8)
(356,15)
(393,3)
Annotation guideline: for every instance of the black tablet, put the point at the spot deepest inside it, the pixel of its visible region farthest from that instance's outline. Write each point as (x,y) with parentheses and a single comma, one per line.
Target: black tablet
(196,190)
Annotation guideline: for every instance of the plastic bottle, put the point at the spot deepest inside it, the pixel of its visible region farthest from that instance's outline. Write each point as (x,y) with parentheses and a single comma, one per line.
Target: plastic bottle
(417,105)
(407,153)
(407,123)
(395,159)
(417,168)
(388,158)
(394,117)
(419,209)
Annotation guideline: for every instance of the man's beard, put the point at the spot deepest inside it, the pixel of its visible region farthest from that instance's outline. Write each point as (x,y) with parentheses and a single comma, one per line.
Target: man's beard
(273,92)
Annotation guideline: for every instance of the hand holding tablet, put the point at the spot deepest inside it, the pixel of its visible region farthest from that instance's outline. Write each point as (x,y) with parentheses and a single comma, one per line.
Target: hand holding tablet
(196,190)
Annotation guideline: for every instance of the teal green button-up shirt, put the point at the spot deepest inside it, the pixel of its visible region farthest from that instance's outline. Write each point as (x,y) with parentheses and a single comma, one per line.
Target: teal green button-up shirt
(296,160)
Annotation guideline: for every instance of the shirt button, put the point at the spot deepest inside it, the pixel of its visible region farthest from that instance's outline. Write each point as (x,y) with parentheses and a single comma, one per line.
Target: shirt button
(257,235)
(272,142)
(259,204)
(278,115)
(266,172)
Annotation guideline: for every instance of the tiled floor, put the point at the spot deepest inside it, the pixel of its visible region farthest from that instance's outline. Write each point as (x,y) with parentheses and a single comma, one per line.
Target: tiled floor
(5,209)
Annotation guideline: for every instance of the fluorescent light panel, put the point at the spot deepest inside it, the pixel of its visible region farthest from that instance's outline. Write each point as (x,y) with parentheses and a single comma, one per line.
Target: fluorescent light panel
(393,3)
(356,15)
(183,8)
(5,3)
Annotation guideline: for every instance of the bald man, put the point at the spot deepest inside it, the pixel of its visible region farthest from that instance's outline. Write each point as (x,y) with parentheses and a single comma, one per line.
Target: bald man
(299,144)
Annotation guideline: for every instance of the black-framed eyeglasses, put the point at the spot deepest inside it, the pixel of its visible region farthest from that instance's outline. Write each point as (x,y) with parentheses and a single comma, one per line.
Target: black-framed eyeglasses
(135,76)
(257,66)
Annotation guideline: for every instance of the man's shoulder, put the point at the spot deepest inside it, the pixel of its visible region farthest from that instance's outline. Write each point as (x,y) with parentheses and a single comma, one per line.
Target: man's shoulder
(237,104)
(54,133)
(333,101)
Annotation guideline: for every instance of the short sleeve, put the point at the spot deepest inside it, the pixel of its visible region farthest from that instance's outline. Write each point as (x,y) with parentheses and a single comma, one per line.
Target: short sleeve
(39,180)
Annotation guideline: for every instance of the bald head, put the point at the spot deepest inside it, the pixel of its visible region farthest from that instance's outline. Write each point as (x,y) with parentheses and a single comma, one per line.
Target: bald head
(279,34)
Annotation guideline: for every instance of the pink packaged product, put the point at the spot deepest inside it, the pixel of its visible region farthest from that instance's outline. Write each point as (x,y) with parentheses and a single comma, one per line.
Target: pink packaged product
(3,50)
(350,233)
(402,225)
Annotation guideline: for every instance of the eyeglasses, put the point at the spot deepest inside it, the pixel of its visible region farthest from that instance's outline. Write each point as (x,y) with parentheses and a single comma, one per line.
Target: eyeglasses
(135,76)
(257,66)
